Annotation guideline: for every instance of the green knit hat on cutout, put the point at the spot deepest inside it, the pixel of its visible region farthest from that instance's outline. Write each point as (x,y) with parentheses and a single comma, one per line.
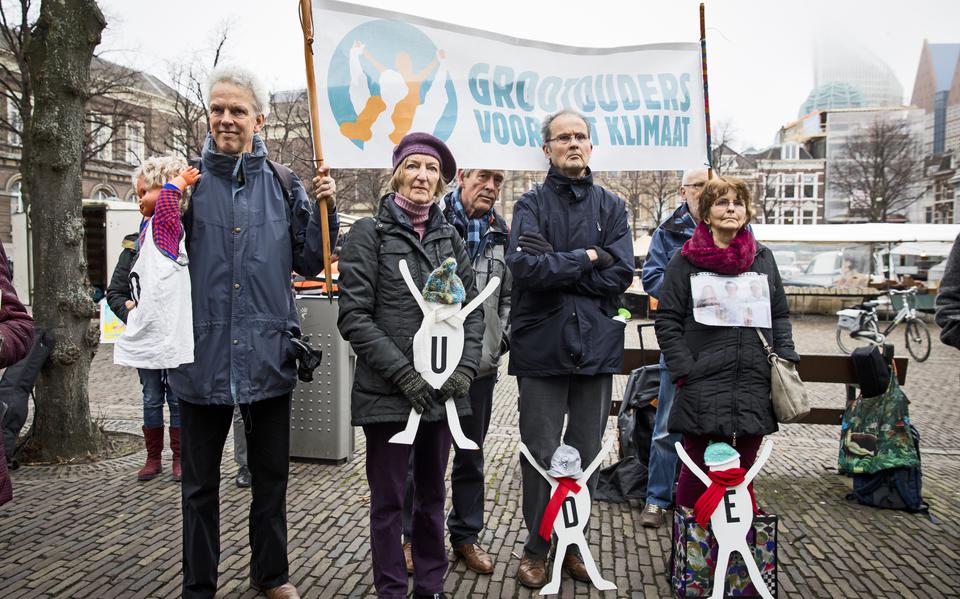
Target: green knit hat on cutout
(444,286)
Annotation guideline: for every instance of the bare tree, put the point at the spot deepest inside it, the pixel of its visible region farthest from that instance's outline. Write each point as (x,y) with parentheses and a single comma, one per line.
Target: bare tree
(723,139)
(287,133)
(57,54)
(188,125)
(105,107)
(359,190)
(880,169)
(647,195)
(631,188)
(662,189)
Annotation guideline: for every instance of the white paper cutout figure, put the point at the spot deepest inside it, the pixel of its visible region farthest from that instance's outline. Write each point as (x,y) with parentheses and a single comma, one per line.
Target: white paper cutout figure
(732,519)
(437,348)
(571,522)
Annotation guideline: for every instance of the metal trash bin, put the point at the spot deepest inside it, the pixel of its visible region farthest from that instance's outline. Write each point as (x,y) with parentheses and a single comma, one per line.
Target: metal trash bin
(320,412)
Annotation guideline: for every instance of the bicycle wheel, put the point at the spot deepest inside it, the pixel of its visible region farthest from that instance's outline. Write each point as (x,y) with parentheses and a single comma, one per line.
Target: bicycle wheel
(847,342)
(918,339)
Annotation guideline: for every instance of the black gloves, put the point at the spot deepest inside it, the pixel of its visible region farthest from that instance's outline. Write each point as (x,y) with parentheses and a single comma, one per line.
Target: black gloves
(534,244)
(458,385)
(415,389)
(604,259)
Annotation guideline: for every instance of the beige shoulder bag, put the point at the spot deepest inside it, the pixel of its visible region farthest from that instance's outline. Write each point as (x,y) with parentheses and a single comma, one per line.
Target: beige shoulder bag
(790,401)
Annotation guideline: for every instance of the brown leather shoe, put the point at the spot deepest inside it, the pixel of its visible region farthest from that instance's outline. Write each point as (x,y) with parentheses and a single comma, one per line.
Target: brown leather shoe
(477,559)
(408,557)
(532,573)
(573,565)
(284,591)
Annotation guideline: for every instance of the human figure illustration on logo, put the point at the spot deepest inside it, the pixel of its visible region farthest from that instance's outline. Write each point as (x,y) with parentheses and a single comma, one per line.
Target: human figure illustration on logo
(399,97)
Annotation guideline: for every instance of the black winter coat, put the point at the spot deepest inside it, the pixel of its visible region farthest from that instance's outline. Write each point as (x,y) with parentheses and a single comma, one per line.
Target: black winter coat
(726,387)
(118,292)
(379,316)
(561,320)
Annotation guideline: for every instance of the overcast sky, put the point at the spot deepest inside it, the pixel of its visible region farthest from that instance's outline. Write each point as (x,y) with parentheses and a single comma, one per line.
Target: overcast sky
(760,51)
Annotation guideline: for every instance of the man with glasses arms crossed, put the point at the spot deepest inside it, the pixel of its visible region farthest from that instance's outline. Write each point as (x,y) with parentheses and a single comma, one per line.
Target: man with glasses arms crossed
(571,254)
(667,239)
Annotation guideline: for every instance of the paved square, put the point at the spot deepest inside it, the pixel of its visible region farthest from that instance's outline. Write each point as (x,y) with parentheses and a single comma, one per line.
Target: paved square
(92,531)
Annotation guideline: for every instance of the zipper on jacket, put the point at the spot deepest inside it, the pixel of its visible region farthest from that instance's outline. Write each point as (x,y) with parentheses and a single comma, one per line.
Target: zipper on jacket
(736,385)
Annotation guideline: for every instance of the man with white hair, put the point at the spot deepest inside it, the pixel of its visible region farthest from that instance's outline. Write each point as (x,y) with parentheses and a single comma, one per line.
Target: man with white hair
(667,239)
(249,224)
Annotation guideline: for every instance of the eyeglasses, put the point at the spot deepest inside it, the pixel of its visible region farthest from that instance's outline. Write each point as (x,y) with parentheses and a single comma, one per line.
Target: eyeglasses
(737,204)
(565,138)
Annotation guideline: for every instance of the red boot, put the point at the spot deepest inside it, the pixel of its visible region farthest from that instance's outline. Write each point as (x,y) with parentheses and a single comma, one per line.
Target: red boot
(153,439)
(175,446)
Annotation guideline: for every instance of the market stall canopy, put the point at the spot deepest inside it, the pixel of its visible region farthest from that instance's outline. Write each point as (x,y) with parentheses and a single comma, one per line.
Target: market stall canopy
(863,233)
(923,248)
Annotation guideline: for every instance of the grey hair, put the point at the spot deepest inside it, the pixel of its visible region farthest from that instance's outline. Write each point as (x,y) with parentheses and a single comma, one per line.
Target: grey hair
(545,129)
(244,78)
(690,172)
(157,170)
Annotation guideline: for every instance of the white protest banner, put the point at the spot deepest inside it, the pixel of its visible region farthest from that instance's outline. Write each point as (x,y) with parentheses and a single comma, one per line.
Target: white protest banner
(383,74)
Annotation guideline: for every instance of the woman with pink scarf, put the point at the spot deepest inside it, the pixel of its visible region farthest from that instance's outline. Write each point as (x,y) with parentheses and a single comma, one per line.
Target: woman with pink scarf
(721,372)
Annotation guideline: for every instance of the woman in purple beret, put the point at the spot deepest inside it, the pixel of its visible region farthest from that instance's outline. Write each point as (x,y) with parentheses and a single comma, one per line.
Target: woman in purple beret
(379,317)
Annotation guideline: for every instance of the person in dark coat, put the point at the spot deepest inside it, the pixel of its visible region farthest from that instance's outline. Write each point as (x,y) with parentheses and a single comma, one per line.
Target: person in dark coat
(16,339)
(721,372)
(153,382)
(470,208)
(666,241)
(571,255)
(948,299)
(379,317)
(244,237)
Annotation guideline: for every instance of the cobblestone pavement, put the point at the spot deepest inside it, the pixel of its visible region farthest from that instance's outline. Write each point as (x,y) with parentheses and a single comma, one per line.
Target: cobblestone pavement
(92,531)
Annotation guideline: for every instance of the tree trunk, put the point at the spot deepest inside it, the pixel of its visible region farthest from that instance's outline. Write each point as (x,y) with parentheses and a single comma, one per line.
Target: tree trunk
(59,56)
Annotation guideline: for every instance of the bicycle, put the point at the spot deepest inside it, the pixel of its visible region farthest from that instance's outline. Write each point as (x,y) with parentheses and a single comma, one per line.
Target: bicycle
(860,326)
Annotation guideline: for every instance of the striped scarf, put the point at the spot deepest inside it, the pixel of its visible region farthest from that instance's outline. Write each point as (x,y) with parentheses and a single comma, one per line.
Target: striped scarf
(475,227)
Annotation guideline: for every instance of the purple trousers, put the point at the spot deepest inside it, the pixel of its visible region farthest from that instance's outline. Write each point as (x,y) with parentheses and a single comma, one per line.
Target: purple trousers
(387,465)
(689,487)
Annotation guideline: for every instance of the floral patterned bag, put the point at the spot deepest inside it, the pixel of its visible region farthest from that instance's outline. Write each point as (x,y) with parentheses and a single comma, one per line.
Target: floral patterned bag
(694,557)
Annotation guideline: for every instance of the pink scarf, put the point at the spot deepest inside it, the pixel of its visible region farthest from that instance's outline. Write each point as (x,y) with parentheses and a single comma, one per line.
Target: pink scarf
(418,214)
(734,259)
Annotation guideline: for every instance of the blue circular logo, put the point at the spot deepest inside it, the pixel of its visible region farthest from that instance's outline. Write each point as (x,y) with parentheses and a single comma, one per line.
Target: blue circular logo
(387,79)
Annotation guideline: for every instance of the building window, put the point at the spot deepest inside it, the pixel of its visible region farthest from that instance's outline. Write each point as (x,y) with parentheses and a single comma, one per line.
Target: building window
(790,151)
(16,124)
(102,192)
(809,186)
(16,205)
(135,147)
(808,218)
(102,136)
(772,181)
(789,186)
(788,217)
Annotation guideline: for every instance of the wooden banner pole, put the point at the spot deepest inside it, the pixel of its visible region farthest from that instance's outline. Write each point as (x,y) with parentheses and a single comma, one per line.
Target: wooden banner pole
(706,89)
(306,23)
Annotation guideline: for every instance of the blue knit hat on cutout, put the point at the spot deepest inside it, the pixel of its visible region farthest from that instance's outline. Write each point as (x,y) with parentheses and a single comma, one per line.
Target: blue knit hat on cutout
(444,286)
(718,454)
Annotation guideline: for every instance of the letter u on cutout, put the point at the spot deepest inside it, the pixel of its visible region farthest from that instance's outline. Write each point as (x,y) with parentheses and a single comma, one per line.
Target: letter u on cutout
(440,354)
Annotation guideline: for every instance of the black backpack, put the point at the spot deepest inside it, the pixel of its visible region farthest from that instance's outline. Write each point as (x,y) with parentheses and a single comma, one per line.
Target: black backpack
(893,488)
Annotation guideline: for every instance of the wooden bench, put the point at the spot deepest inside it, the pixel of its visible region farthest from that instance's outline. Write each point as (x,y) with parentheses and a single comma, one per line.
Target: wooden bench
(813,368)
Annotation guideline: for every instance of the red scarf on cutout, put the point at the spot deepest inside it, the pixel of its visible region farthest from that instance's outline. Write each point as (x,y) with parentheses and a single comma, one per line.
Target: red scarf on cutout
(734,259)
(564,486)
(721,481)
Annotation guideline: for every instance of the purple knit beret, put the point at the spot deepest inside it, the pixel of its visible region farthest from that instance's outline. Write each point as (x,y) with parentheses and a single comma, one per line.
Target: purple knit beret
(424,143)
